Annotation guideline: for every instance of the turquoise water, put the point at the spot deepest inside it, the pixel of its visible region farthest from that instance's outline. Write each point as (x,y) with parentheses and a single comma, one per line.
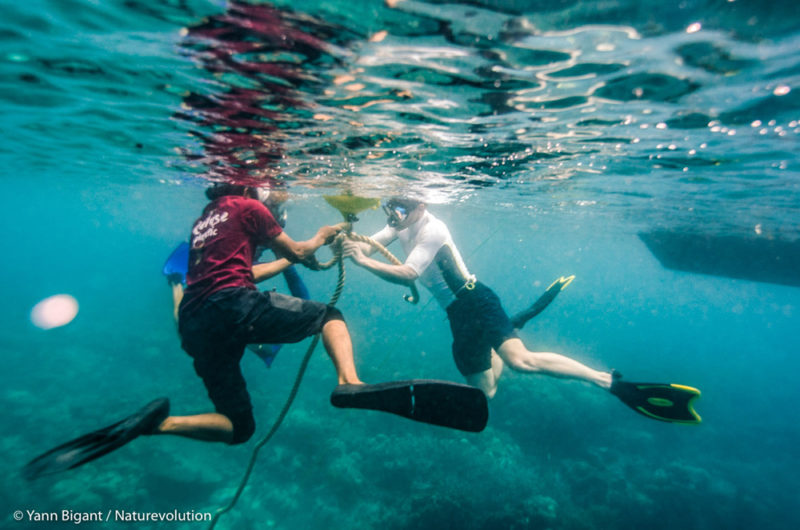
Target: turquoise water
(549,136)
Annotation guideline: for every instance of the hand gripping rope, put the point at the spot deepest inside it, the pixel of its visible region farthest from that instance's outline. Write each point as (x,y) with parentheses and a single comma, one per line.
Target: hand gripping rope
(412,298)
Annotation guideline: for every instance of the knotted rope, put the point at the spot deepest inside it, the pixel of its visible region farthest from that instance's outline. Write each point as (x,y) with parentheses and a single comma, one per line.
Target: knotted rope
(337,257)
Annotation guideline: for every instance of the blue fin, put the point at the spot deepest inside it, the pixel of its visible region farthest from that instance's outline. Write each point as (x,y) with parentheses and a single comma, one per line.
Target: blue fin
(177,264)
(266,352)
(295,283)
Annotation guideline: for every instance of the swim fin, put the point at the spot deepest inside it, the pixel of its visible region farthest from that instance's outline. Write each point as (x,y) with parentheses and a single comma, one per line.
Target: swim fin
(440,403)
(295,283)
(265,352)
(659,401)
(521,318)
(98,443)
(177,264)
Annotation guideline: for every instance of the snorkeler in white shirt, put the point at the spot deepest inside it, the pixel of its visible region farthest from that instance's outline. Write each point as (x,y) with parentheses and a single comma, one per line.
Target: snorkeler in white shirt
(485,339)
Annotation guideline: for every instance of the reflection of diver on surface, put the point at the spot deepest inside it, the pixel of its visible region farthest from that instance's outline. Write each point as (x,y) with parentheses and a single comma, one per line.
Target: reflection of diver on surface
(264,60)
(484,337)
(222,311)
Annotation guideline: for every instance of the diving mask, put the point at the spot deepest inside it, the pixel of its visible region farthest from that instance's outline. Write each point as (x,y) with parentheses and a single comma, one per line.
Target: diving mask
(396,213)
(278,210)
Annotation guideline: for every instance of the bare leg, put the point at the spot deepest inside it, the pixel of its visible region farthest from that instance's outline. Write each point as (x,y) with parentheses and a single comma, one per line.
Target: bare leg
(487,380)
(216,427)
(337,342)
(177,296)
(497,365)
(514,353)
(211,427)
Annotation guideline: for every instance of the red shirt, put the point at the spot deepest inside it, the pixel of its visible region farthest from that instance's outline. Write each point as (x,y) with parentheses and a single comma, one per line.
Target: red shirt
(223,245)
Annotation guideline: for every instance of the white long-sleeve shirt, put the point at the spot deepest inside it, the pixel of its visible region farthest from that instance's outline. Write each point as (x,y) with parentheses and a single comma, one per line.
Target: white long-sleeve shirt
(428,242)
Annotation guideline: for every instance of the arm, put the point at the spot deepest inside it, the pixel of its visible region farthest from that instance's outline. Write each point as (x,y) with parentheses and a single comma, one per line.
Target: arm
(385,236)
(402,274)
(263,271)
(302,250)
(418,260)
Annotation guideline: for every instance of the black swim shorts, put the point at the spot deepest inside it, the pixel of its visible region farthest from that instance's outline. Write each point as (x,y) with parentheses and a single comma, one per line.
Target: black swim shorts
(479,323)
(216,332)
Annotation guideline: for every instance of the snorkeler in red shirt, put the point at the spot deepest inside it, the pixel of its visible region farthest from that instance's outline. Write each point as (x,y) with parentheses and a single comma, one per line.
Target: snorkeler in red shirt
(222,311)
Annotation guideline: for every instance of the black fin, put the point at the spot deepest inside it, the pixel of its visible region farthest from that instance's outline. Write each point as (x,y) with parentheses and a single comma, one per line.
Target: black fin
(659,401)
(98,443)
(521,318)
(440,403)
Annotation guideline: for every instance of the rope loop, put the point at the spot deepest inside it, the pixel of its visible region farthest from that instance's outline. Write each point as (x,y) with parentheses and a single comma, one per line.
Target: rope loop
(412,298)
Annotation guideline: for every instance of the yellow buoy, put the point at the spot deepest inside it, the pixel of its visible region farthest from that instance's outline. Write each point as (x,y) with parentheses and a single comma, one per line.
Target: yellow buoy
(350,205)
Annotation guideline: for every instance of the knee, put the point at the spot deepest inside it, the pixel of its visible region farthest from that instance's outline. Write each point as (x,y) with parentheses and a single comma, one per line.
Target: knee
(519,364)
(484,382)
(527,364)
(244,425)
(518,358)
(332,314)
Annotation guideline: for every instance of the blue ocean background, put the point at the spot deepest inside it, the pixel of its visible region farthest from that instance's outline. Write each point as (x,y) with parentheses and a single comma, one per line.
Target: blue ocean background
(548,135)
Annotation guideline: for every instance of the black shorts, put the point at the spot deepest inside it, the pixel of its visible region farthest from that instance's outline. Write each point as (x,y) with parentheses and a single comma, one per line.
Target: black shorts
(478,323)
(216,332)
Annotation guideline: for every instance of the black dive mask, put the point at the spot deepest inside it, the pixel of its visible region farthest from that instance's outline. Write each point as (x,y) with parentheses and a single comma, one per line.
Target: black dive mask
(395,213)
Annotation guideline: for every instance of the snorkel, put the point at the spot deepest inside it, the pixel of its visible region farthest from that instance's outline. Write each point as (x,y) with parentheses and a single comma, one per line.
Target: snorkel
(395,213)
(400,211)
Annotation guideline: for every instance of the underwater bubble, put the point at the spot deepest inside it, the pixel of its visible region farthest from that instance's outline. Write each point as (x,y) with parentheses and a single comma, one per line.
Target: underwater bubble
(54,311)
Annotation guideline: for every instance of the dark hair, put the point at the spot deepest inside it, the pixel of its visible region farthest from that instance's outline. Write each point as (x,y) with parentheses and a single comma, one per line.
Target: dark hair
(221,189)
(407,203)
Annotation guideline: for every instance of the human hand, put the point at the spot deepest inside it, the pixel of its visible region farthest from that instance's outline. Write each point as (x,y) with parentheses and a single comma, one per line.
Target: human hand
(352,250)
(311,263)
(329,233)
